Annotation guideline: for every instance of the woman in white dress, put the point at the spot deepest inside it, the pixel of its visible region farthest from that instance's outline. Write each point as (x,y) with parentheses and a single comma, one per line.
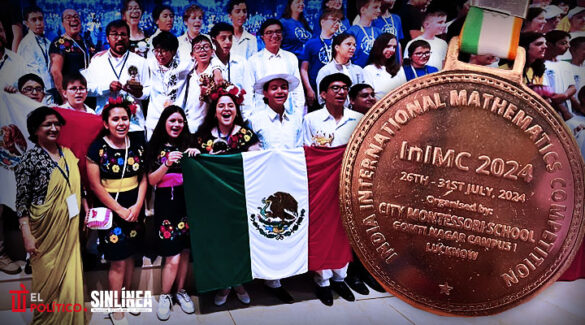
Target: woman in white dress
(383,71)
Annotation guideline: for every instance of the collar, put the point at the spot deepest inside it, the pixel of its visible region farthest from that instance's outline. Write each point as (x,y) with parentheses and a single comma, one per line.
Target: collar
(269,55)
(337,64)
(327,116)
(273,116)
(117,58)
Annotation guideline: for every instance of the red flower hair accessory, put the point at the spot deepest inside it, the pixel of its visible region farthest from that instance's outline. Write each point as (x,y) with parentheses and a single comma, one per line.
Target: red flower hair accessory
(122,102)
(226,88)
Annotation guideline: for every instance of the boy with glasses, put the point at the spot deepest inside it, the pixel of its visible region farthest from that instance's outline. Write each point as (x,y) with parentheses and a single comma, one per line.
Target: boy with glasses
(75,93)
(32,86)
(415,66)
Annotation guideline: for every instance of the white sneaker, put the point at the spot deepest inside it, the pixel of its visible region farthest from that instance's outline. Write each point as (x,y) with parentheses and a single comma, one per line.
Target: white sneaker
(221,297)
(164,307)
(185,301)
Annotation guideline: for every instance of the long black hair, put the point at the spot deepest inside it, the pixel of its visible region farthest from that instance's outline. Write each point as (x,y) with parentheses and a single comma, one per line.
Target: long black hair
(288,14)
(377,57)
(210,120)
(538,65)
(160,136)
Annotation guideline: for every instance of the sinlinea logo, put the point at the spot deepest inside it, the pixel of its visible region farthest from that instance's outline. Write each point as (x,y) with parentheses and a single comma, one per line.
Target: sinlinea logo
(126,301)
(19,303)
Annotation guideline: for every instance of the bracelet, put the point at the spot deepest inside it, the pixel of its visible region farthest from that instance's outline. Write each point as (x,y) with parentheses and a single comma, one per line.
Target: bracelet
(168,166)
(20,224)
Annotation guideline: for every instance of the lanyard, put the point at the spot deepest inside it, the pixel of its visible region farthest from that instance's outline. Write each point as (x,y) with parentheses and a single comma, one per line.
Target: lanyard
(416,74)
(366,34)
(392,29)
(327,49)
(65,174)
(3,61)
(118,75)
(85,55)
(45,53)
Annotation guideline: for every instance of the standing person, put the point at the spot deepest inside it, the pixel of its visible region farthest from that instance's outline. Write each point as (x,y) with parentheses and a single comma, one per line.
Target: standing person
(535,20)
(331,126)
(318,52)
(559,74)
(193,19)
(343,49)
(412,14)
(270,60)
(434,24)
(75,93)
(296,29)
(552,15)
(232,66)
(132,11)
(198,81)
(116,172)
(168,75)
(362,98)
(168,142)
(244,43)
(416,65)
(335,5)
(34,47)
(47,204)
(119,72)
(389,22)
(12,65)
(275,128)
(365,33)
(69,52)
(383,70)
(164,19)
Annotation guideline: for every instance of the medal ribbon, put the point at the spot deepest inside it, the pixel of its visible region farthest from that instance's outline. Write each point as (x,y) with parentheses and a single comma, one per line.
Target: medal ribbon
(492,31)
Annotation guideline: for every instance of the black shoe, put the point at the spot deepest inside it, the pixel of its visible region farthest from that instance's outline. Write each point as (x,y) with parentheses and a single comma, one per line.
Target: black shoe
(281,294)
(27,267)
(324,294)
(371,282)
(343,290)
(357,285)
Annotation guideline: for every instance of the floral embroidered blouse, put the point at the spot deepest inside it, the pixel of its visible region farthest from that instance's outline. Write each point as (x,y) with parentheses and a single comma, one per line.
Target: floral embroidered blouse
(240,141)
(111,160)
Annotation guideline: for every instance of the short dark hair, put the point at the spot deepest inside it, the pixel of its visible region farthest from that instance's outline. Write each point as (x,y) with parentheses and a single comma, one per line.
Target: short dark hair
(417,43)
(577,41)
(37,117)
(190,10)
(166,40)
(158,10)
(329,79)
(355,89)
(330,12)
(27,77)
(73,77)
(117,24)
(337,40)
(29,10)
(200,38)
(220,27)
(532,13)
(232,3)
(269,22)
(556,35)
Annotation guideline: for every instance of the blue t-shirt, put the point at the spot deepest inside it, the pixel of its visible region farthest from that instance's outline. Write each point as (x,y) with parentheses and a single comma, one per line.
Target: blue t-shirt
(411,72)
(392,25)
(295,35)
(317,53)
(343,27)
(363,43)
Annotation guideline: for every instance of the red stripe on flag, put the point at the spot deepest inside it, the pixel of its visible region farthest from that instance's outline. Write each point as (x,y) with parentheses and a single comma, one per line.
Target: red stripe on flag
(329,246)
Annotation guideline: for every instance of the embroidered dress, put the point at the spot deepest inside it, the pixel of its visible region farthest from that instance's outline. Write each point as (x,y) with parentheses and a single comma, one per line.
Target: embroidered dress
(170,216)
(76,53)
(140,46)
(42,192)
(124,238)
(241,139)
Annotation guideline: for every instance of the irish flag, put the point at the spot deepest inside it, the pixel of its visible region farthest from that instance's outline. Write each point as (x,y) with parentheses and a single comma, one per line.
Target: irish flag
(264,214)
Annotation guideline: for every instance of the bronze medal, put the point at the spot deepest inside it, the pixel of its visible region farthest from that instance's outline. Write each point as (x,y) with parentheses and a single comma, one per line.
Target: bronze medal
(462,191)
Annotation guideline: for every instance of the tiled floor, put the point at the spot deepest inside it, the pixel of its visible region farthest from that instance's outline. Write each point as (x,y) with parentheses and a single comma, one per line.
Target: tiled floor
(562,303)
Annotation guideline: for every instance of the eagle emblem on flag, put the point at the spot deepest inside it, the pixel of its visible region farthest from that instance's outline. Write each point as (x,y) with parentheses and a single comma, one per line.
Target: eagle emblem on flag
(279,217)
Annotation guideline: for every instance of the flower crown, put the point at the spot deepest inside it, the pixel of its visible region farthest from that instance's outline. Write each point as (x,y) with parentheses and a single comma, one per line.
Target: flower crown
(215,90)
(123,102)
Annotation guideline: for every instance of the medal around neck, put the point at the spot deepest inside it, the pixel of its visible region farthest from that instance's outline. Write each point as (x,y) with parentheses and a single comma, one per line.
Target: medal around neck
(462,191)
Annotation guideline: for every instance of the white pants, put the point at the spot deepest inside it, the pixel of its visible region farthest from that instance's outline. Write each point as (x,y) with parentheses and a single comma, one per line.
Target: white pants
(322,277)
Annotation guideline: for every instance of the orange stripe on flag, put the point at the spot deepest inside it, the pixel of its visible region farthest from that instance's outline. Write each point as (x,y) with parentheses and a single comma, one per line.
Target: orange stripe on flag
(515,38)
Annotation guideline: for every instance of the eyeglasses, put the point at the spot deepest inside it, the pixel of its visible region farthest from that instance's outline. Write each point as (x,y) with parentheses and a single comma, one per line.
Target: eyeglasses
(76,89)
(114,35)
(71,17)
(159,51)
(30,89)
(336,88)
(422,53)
(335,21)
(206,47)
(273,32)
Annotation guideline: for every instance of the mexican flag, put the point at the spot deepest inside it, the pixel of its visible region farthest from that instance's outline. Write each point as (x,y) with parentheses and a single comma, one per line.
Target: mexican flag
(264,214)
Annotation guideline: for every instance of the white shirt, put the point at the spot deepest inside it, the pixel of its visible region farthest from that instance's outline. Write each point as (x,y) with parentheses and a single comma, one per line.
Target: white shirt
(438,51)
(195,110)
(105,68)
(12,67)
(381,80)
(274,133)
(185,47)
(559,76)
(353,71)
(265,63)
(167,87)
(35,51)
(87,108)
(245,46)
(321,129)
(234,71)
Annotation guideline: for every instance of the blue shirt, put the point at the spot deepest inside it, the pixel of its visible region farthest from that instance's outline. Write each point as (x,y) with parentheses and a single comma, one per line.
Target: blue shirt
(410,72)
(392,25)
(295,35)
(363,42)
(344,26)
(318,54)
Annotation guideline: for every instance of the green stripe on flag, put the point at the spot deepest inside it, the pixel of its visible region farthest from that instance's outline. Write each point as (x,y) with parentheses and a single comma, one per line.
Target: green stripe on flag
(216,191)
(471,30)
